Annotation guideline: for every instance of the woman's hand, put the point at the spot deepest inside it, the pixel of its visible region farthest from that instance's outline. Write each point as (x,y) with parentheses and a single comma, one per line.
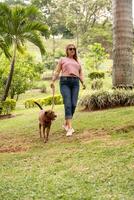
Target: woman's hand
(83,86)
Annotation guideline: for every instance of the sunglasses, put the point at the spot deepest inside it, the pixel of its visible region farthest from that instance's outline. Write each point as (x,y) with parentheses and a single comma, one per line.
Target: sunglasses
(71,49)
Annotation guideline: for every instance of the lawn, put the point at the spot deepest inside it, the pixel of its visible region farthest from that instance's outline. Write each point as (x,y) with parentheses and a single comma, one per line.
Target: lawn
(97,163)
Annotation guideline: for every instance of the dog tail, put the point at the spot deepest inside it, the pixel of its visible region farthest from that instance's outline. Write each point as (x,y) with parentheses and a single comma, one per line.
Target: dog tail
(38,105)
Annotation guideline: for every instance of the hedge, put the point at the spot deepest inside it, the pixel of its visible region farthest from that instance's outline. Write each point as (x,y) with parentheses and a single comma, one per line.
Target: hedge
(107,99)
(98,75)
(29,103)
(7,106)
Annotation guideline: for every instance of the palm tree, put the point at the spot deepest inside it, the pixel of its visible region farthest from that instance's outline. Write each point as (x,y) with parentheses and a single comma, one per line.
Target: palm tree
(122,43)
(4,47)
(17,25)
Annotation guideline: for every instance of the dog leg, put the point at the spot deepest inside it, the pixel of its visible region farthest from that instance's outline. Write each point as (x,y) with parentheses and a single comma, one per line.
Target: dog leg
(47,132)
(40,130)
(44,134)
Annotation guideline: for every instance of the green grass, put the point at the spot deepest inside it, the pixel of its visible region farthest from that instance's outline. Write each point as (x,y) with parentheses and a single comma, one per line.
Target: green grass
(97,163)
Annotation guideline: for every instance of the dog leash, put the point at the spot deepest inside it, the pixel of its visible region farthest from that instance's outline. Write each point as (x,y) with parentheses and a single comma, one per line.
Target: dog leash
(53,93)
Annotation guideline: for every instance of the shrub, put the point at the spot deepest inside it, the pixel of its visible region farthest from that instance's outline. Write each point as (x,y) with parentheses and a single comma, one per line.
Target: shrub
(43,88)
(7,106)
(95,74)
(107,99)
(96,84)
(29,103)
(44,101)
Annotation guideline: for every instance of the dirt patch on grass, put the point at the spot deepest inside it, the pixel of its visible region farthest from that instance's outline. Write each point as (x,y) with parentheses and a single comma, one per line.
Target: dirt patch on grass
(85,136)
(9,144)
(124,129)
(92,134)
(104,137)
(6,116)
(12,149)
(22,143)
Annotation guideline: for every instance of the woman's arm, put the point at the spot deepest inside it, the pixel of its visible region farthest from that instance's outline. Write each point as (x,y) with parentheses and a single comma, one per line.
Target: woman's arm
(82,78)
(56,74)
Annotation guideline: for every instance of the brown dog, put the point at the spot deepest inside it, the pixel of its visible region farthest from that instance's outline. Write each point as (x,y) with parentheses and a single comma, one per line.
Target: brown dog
(45,121)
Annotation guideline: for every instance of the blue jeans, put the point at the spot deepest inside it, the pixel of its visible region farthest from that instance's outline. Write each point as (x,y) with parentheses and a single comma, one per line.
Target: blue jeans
(69,88)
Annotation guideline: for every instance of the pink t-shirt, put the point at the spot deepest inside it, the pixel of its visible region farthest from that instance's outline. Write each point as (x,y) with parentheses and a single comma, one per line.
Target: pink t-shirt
(70,67)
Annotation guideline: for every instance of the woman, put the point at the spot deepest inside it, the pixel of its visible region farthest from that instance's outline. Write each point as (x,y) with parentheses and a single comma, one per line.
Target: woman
(71,73)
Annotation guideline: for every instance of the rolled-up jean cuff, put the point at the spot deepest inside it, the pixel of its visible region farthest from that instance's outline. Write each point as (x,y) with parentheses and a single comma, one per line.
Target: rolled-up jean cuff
(68,117)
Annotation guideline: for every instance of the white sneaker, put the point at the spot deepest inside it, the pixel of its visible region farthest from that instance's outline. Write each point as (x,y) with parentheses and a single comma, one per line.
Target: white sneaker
(70,132)
(73,130)
(65,127)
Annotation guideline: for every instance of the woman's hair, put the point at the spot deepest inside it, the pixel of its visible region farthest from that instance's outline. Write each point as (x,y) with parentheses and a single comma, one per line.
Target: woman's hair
(75,55)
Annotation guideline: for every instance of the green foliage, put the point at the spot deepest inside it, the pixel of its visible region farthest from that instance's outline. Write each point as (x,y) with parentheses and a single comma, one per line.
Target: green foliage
(18,25)
(59,54)
(7,106)
(65,17)
(11,32)
(50,60)
(43,88)
(96,74)
(53,14)
(4,47)
(25,73)
(75,18)
(44,101)
(107,99)
(95,56)
(96,84)
(100,33)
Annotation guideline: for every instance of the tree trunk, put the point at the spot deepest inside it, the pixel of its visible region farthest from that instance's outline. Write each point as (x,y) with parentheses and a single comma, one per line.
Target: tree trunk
(9,80)
(17,97)
(12,93)
(122,43)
